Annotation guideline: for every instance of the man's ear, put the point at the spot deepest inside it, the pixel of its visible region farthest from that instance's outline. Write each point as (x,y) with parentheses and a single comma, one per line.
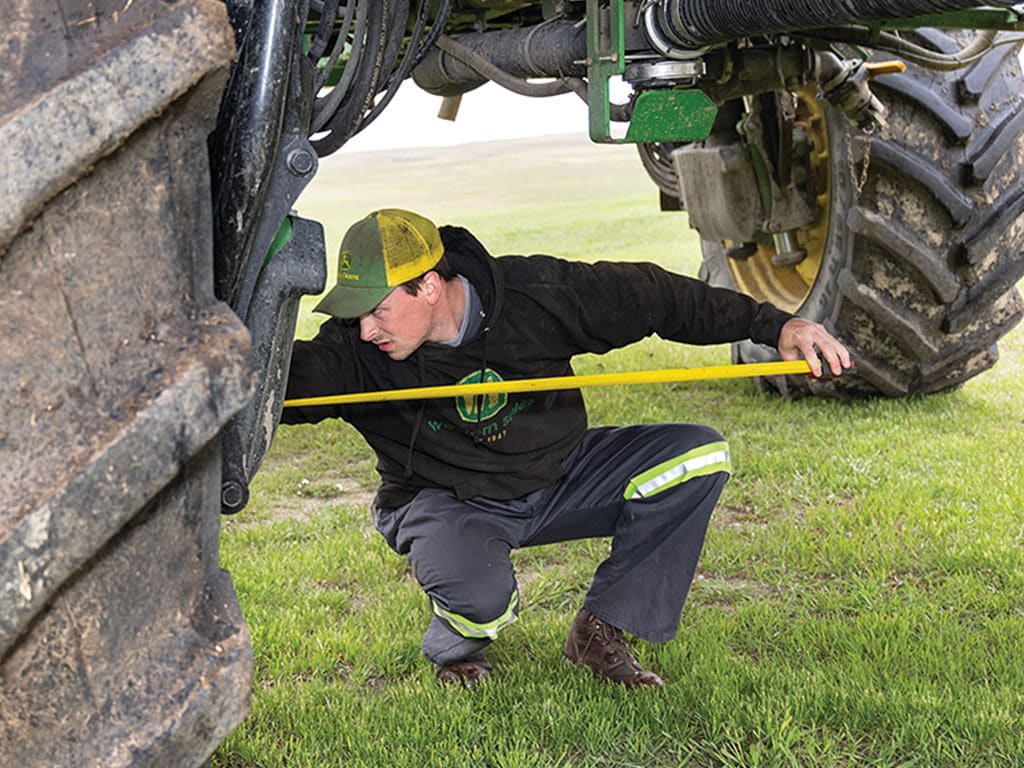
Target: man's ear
(432,287)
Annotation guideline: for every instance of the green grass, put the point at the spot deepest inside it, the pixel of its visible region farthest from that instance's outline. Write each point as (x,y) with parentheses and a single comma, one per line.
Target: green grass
(860,600)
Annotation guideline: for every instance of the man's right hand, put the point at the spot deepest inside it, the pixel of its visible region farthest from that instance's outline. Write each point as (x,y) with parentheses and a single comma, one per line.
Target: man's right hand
(801,338)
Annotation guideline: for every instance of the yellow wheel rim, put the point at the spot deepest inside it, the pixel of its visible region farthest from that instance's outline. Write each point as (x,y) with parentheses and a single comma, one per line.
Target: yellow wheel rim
(759,276)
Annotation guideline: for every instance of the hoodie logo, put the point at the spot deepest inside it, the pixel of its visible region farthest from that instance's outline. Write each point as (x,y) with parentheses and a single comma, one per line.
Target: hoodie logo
(474,408)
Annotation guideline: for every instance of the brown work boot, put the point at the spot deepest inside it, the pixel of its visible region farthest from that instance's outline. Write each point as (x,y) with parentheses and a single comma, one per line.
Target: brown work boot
(603,647)
(468,671)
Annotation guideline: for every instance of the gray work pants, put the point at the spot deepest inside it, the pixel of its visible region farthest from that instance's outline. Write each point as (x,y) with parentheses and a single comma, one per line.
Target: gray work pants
(650,487)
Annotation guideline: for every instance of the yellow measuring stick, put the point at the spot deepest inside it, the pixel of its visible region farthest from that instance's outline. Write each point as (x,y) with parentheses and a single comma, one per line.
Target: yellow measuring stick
(552,383)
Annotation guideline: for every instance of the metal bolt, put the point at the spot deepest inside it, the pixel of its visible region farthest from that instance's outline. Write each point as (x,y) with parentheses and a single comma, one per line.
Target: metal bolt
(301,162)
(233,496)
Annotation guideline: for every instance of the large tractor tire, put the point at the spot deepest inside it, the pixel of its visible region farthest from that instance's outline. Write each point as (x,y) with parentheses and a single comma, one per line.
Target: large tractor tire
(121,640)
(916,247)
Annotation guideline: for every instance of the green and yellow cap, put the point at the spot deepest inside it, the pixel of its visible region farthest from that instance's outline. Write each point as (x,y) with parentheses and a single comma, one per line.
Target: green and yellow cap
(387,248)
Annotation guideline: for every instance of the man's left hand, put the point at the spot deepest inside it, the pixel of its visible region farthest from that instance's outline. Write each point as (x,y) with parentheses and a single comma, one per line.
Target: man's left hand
(803,339)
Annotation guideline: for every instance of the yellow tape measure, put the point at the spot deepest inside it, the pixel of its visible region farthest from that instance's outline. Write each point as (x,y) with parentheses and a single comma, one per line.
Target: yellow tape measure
(553,383)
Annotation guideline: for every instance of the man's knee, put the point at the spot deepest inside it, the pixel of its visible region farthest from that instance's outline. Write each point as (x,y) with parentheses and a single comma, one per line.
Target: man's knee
(689,453)
(442,645)
(689,436)
(471,572)
(474,614)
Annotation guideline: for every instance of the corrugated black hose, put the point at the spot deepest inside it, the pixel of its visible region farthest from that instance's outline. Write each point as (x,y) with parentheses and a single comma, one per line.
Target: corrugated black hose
(697,23)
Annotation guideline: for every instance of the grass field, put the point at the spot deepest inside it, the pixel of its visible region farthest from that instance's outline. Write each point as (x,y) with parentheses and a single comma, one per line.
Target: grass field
(860,600)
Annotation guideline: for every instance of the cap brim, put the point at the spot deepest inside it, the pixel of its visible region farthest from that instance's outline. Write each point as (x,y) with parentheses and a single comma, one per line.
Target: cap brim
(347,302)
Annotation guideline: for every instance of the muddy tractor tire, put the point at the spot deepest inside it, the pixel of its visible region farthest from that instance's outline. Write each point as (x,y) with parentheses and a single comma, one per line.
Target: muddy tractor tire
(916,247)
(121,640)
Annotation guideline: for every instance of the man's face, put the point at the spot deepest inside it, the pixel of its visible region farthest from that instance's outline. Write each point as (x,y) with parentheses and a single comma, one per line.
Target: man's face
(398,325)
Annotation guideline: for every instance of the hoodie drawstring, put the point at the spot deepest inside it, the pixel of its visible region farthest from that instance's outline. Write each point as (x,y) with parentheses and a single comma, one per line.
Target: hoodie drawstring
(419,421)
(480,399)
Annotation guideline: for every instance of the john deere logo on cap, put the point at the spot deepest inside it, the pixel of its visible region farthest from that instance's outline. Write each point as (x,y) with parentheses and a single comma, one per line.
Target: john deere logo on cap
(344,265)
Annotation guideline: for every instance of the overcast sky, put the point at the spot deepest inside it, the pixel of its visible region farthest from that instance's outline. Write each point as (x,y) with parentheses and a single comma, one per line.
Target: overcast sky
(488,113)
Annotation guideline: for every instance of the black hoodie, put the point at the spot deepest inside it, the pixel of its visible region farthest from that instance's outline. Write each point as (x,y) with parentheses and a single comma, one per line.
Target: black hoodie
(539,312)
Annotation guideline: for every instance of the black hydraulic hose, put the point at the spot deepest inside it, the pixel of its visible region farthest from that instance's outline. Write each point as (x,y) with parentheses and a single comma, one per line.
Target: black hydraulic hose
(488,71)
(698,23)
(353,27)
(436,29)
(327,14)
(476,69)
(414,54)
(552,49)
(369,36)
(384,31)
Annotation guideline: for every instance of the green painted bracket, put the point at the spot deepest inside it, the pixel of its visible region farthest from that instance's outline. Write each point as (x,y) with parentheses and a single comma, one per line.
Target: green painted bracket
(668,114)
(673,114)
(606,58)
(284,234)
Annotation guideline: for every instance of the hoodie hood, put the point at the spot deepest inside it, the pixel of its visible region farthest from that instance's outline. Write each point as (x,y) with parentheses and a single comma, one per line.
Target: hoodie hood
(470,259)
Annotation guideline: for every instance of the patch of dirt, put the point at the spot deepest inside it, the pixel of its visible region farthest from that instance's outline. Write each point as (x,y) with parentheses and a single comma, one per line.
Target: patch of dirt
(304,509)
(714,588)
(739,516)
